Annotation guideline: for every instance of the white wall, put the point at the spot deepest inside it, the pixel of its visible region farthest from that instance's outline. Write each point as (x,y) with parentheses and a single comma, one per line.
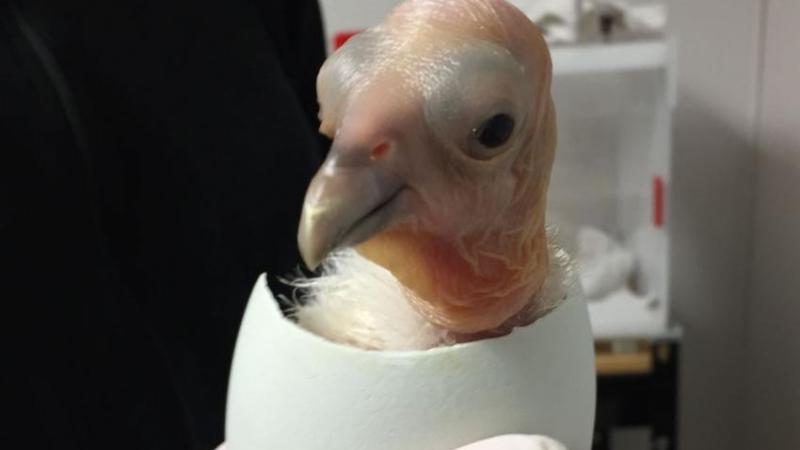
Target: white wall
(713,184)
(736,222)
(773,359)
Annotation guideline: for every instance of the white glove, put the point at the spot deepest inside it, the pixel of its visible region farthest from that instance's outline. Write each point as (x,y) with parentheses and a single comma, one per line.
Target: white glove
(516,442)
(508,442)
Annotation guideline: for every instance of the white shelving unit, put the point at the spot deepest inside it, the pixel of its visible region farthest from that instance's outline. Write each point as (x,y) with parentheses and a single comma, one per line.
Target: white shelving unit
(612,173)
(617,57)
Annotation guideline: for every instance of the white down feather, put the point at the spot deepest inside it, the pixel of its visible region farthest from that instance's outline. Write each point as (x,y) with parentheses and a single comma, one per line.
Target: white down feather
(359,303)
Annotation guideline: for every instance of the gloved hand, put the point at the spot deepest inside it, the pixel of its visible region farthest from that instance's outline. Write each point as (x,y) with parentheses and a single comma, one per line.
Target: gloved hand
(508,442)
(516,442)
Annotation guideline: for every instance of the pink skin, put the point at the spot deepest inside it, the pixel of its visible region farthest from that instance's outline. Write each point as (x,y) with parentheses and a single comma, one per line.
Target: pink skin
(461,225)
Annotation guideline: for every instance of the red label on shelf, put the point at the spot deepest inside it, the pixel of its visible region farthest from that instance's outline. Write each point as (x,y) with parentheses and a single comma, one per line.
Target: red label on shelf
(342,37)
(658,201)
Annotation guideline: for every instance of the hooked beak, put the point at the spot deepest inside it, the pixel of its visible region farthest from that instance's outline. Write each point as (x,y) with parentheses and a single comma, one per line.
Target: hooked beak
(349,200)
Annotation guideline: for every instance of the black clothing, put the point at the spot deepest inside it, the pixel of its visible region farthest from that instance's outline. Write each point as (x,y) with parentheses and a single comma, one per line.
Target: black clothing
(153,161)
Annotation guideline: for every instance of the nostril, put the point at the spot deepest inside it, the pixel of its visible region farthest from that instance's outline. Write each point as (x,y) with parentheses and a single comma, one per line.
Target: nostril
(380,151)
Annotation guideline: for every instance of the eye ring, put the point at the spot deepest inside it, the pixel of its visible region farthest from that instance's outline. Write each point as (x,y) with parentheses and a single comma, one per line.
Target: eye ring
(495,131)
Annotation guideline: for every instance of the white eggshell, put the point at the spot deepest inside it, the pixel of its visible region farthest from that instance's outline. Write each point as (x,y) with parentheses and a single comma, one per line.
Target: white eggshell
(290,389)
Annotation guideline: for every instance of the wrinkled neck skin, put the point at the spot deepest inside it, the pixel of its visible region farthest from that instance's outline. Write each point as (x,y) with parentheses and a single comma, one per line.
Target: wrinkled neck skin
(487,278)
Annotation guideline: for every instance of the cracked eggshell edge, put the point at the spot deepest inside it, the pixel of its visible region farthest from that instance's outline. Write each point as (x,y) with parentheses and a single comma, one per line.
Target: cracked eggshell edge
(290,389)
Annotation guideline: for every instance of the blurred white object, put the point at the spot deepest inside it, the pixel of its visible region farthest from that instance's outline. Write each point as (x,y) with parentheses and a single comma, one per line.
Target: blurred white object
(646,15)
(604,266)
(621,19)
(623,314)
(516,442)
(290,389)
(508,442)
(557,19)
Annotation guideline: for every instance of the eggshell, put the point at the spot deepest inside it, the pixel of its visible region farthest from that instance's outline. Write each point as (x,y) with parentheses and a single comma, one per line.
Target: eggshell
(290,389)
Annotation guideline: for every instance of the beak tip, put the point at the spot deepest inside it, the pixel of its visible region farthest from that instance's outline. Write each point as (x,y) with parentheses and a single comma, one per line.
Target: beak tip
(311,263)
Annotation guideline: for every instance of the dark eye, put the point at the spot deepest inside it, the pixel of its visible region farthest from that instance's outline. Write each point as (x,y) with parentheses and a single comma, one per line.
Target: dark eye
(495,132)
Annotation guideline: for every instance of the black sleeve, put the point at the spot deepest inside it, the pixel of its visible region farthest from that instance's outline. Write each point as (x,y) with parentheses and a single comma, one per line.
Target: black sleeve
(81,369)
(154,160)
(294,25)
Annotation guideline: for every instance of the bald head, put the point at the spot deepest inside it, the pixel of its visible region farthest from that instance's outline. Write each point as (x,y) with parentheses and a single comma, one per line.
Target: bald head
(444,137)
